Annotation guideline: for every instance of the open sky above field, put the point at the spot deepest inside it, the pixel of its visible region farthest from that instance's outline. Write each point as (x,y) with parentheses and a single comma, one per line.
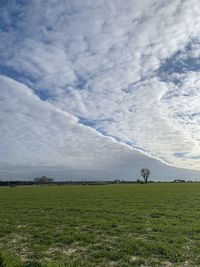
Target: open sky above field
(99,89)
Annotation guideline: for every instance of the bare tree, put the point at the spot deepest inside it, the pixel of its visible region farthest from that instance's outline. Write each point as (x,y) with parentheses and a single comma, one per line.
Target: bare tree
(145,174)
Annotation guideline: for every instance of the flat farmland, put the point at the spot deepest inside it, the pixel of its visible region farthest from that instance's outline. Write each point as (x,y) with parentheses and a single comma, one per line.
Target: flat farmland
(104,225)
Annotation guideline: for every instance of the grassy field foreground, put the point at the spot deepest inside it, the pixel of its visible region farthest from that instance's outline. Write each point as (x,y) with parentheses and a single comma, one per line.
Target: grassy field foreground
(108,225)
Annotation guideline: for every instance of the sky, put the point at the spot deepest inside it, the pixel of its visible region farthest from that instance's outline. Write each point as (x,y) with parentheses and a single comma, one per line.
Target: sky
(99,89)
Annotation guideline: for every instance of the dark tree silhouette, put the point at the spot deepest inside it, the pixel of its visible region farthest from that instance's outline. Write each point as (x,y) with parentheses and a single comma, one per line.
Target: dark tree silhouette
(145,174)
(42,180)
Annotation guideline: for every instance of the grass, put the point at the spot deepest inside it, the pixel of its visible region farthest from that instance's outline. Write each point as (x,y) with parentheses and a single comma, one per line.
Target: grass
(111,225)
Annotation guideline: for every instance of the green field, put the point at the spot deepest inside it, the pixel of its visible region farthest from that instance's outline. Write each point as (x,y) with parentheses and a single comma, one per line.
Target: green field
(107,225)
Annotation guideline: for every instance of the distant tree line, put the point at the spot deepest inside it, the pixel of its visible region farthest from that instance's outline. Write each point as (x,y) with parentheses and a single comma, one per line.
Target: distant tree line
(44,180)
(37,180)
(15,183)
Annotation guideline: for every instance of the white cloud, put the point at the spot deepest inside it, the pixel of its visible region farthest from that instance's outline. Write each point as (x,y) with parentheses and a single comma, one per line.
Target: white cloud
(38,138)
(100,61)
(37,132)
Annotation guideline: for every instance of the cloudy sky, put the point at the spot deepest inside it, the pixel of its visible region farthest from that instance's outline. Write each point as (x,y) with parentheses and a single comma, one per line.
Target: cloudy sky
(99,89)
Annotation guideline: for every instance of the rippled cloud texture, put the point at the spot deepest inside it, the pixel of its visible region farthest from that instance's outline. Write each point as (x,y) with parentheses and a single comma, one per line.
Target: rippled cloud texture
(100,88)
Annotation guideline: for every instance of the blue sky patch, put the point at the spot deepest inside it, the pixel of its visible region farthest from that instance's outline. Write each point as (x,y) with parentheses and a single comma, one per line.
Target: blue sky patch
(179,63)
